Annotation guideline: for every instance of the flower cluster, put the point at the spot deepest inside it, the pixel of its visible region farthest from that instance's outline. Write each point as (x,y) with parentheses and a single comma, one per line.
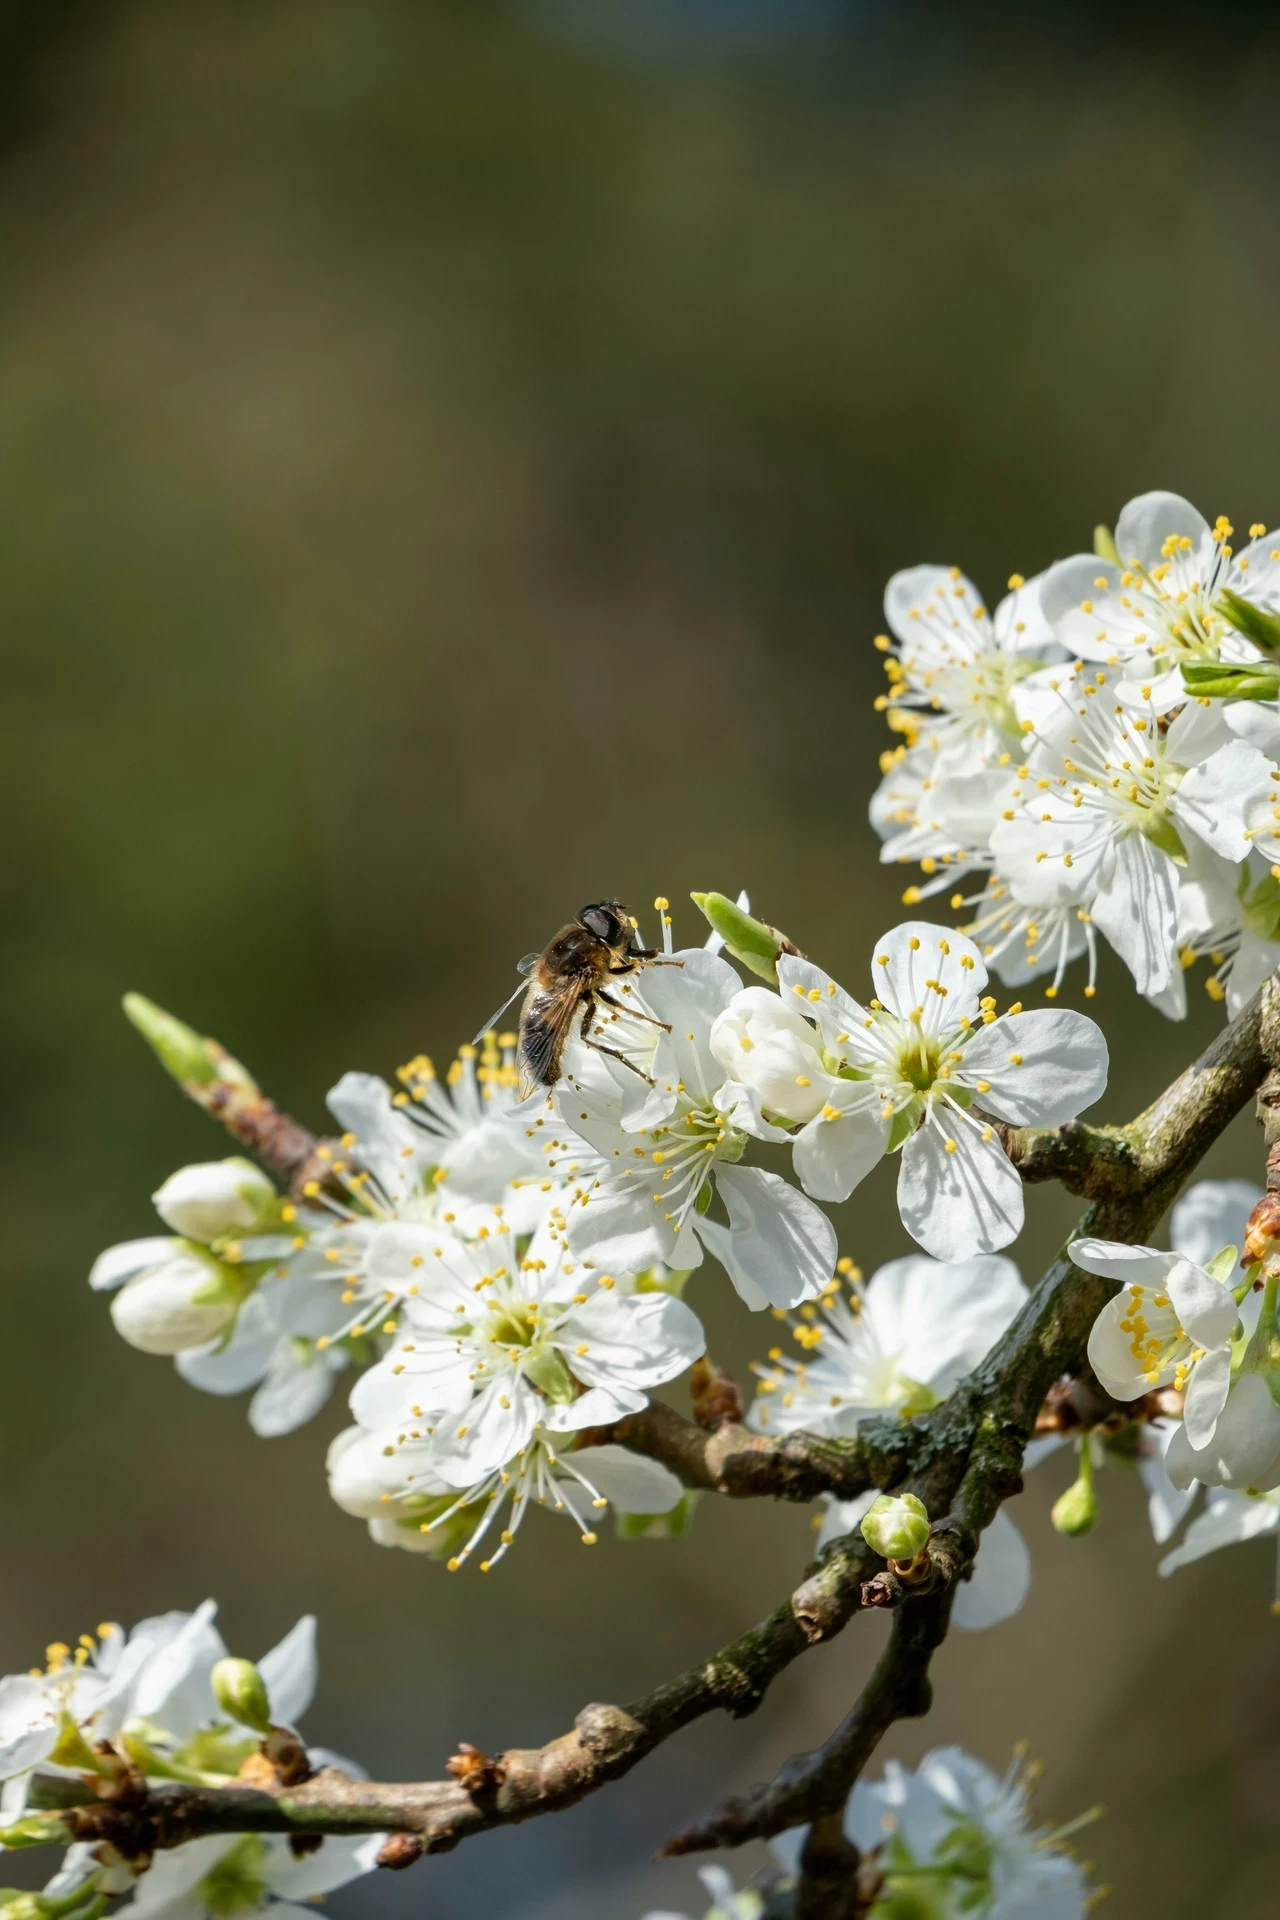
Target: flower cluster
(166,1703)
(1104,752)
(504,1270)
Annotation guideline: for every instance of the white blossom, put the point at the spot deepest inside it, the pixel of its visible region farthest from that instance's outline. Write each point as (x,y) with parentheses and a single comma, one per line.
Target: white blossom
(903,1074)
(1171,1325)
(152,1684)
(387,1176)
(392,1480)
(955,1838)
(227,1877)
(642,1155)
(477,1154)
(1159,605)
(898,1342)
(492,1343)
(1106,803)
(952,676)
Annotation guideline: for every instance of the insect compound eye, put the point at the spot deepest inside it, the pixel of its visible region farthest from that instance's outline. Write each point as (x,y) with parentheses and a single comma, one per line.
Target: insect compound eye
(605,924)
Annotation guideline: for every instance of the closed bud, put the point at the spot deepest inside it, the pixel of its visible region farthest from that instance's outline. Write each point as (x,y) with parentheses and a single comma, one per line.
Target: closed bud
(241,1692)
(1263,1230)
(186,1300)
(36,1830)
(1262,628)
(1104,545)
(1223,680)
(360,1474)
(1075,1513)
(896,1526)
(216,1198)
(194,1062)
(756,944)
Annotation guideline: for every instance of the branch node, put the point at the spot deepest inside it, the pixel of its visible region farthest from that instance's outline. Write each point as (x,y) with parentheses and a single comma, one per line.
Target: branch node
(399,1850)
(474,1771)
(716,1396)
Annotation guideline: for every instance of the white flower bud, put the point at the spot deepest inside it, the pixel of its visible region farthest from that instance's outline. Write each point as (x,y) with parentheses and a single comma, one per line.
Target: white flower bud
(359,1473)
(760,1041)
(184,1302)
(216,1197)
(896,1526)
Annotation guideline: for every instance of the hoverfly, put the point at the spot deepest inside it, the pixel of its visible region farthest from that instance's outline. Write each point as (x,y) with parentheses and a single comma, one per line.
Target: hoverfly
(571,976)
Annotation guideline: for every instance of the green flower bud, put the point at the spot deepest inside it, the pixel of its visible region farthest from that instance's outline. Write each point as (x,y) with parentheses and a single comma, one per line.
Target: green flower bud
(1262,628)
(241,1692)
(1076,1512)
(37,1830)
(193,1061)
(896,1526)
(756,944)
(1104,545)
(1223,680)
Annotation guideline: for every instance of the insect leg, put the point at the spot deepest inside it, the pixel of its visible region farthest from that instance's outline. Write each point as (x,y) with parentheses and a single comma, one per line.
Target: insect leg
(615,1055)
(632,1013)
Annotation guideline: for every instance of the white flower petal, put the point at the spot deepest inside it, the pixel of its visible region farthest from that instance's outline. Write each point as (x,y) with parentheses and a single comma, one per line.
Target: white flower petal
(1116,1260)
(1213,799)
(781,1241)
(832,1155)
(297,1385)
(1167,1506)
(1207,1395)
(719,1243)
(1041,1068)
(1212,1215)
(1137,909)
(290,1672)
(1206,1309)
(598,1407)
(900,971)
(962,1203)
(118,1264)
(28,1723)
(1149,520)
(941,1318)
(621,1229)
(1111,1353)
(629,1481)
(1000,1581)
(487,1434)
(1245,1449)
(636,1340)
(1228,1518)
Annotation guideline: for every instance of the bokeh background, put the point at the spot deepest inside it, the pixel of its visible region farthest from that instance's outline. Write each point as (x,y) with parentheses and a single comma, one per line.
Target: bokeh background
(450,457)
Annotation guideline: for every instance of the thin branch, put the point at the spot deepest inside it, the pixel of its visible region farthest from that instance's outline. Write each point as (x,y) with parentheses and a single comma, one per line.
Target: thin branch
(605,1742)
(744,1465)
(817,1783)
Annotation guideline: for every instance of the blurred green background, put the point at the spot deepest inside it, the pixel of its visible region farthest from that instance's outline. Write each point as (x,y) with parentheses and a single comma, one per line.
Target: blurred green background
(450,458)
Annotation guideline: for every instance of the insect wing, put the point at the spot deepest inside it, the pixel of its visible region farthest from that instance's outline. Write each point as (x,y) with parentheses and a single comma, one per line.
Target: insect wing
(494,1018)
(544,1028)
